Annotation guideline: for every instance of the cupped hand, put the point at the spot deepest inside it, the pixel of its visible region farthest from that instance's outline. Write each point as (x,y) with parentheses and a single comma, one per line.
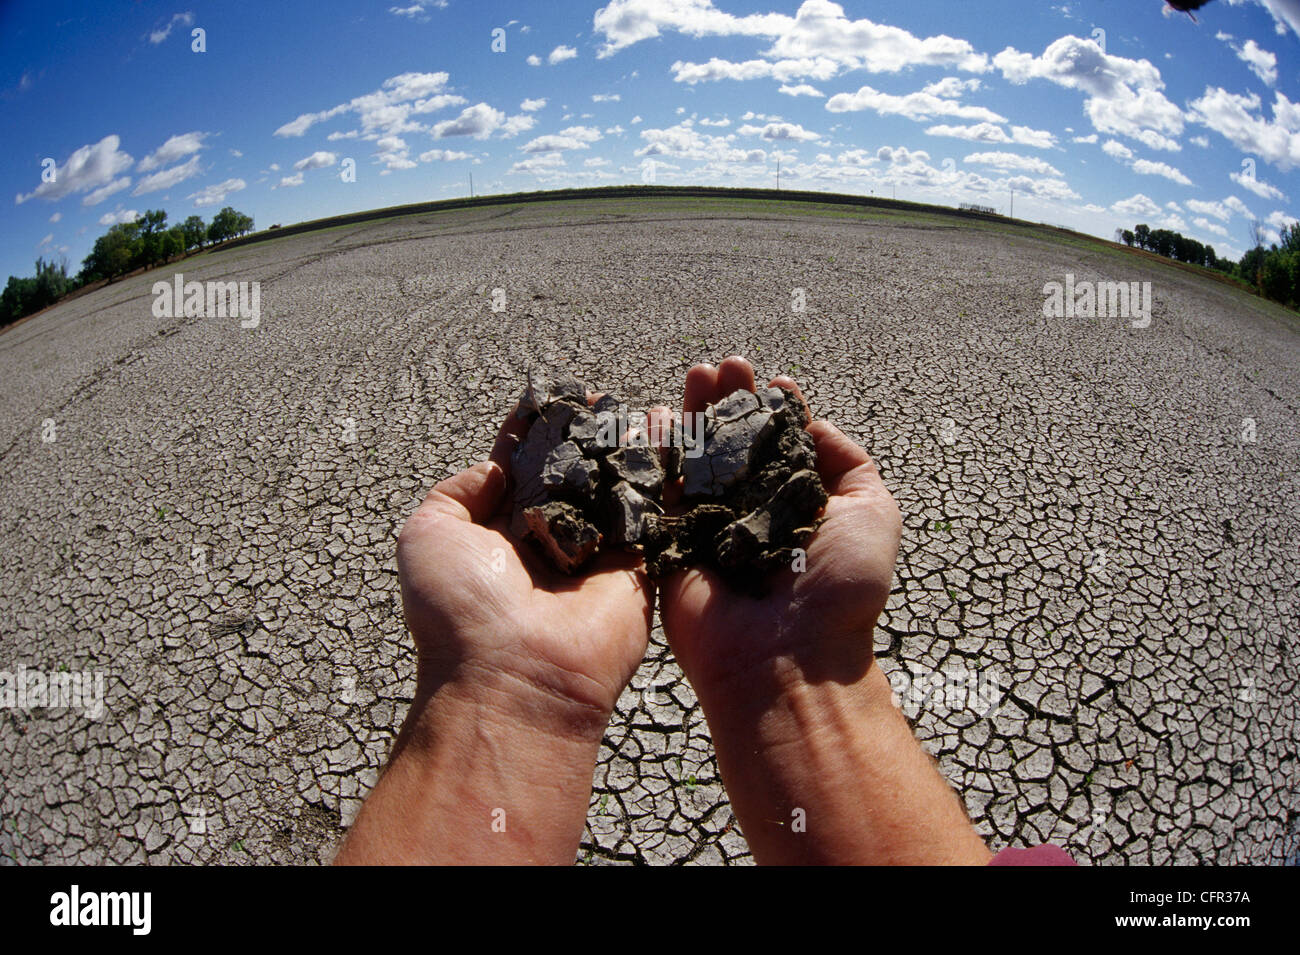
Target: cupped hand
(485,609)
(814,624)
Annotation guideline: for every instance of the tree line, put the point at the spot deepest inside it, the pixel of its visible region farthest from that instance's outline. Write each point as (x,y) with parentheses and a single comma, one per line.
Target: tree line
(125,247)
(1273,271)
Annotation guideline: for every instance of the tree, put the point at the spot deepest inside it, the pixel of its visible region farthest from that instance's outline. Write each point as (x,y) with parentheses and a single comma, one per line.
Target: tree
(173,242)
(195,232)
(111,255)
(1142,236)
(1127,236)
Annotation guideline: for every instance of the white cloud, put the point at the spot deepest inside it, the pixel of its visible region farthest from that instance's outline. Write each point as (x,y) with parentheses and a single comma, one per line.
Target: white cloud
(56,217)
(1239,207)
(1122,96)
(159,34)
(1235,118)
(990,133)
(443,155)
(90,167)
(96,196)
(290,181)
(119,216)
(1260,188)
(1136,206)
(1090,139)
(479,121)
(780,132)
(605,97)
(1146,167)
(167,178)
(534,60)
(1117,150)
(317,160)
(575,137)
(1261,62)
(418,9)
(516,125)
(1003,160)
(532,105)
(803,89)
(1208,226)
(818,32)
(560,54)
(1217,209)
(177,147)
(387,110)
(211,195)
(915,106)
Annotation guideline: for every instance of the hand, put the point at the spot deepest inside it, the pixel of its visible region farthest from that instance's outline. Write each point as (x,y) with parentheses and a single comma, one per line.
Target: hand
(481,605)
(819,764)
(814,625)
(518,672)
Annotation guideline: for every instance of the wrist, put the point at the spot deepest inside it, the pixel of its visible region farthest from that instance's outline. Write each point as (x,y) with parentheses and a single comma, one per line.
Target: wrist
(514,701)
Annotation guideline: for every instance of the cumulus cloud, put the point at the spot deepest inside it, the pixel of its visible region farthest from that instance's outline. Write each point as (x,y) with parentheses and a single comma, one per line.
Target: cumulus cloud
(177,147)
(167,178)
(1117,150)
(605,97)
(1236,118)
(1122,96)
(532,105)
(317,160)
(1260,188)
(801,89)
(443,155)
(479,121)
(287,182)
(818,33)
(1136,206)
(575,137)
(560,54)
(780,132)
(88,168)
(159,34)
(990,133)
(1146,167)
(211,195)
(96,196)
(388,110)
(1261,62)
(1004,160)
(920,106)
(118,216)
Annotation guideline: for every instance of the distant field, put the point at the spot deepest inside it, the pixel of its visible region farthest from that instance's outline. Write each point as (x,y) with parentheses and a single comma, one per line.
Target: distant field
(1101,521)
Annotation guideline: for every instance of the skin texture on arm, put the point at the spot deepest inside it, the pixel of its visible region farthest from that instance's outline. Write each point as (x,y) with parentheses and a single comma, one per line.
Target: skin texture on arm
(818,763)
(518,671)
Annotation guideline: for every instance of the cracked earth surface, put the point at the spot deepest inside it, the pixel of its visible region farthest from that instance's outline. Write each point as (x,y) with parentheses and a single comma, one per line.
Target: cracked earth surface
(1089,529)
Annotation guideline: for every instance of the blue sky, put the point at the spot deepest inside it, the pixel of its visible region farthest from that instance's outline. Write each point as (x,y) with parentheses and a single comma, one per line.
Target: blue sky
(1097,114)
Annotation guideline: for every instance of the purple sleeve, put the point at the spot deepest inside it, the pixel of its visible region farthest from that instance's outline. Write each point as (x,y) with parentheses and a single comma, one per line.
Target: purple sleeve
(1038,855)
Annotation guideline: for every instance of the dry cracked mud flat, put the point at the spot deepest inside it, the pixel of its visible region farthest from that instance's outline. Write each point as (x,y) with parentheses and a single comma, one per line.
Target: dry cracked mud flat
(1099,555)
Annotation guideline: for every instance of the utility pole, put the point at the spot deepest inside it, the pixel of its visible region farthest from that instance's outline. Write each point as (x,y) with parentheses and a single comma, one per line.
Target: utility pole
(1013,203)
(778,175)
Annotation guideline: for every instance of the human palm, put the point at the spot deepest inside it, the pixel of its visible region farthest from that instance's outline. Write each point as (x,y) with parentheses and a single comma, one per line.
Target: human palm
(813,624)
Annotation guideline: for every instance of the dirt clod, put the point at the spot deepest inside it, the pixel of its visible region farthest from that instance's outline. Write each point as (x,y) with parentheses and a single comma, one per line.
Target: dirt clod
(750,492)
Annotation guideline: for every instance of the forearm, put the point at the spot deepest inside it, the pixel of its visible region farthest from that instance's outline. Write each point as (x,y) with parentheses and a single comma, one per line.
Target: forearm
(830,772)
(484,771)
